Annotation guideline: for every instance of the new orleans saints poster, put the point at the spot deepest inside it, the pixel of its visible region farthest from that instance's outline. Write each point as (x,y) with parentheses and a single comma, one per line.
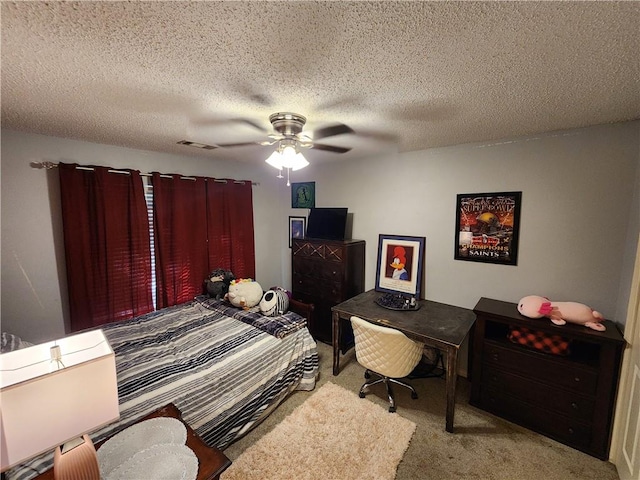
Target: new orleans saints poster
(487,226)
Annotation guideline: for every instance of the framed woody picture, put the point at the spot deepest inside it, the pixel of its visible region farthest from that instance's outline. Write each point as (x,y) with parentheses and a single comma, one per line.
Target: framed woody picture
(400,264)
(487,227)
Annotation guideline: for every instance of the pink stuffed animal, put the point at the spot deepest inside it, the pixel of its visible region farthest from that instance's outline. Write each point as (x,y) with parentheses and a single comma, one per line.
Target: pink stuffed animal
(560,313)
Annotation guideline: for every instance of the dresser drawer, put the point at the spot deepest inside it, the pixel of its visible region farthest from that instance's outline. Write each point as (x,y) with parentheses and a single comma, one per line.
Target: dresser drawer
(323,271)
(328,291)
(497,382)
(538,366)
(559,427)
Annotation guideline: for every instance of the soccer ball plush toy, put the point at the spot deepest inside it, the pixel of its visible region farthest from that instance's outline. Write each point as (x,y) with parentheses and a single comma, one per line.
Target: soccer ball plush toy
(244,293)
(274,302)
(218,283)
(560,313)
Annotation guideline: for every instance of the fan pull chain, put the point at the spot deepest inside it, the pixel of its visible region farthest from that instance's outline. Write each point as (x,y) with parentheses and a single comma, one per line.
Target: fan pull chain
(288,183)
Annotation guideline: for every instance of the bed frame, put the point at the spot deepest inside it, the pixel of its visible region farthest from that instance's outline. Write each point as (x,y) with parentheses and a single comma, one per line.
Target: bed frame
(303,309)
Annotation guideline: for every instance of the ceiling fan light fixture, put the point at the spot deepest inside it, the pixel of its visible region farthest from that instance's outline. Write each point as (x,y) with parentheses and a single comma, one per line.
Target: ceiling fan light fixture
(287,156)
(293,159)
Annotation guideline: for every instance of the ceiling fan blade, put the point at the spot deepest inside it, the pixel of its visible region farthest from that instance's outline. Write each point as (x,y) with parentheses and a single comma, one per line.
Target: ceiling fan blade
(243,144)
(250,92)
(378,135)
(350,102)
(251,123)
(331,131)
(330,148)
(215,122)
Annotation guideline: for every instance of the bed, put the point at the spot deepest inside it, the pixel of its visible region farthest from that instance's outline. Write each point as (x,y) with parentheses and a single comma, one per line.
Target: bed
(225,368)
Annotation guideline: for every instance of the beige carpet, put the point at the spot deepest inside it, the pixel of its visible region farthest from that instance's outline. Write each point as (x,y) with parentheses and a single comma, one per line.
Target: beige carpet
(483,447)
(334,434)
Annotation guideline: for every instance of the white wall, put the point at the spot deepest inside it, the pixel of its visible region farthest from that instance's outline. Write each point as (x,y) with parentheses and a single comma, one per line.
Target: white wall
(34,297)
(578,216)
(577,197)
(631,247)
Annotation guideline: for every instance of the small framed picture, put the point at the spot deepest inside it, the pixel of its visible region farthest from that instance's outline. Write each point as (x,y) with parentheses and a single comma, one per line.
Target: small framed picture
(400,264)
(487,227)
(297,228)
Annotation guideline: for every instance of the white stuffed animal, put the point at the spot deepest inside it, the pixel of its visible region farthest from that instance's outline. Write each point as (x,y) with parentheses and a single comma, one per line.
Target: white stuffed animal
(560,313)
(274,302)
(244,293)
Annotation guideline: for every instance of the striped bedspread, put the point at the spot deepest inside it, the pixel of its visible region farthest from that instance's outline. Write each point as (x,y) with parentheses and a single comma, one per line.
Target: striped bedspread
(224,375)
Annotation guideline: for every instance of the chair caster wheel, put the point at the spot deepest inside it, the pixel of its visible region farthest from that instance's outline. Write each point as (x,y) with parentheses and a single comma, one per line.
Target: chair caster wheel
(367,375)
(361,395)
(414,395)
(392,409)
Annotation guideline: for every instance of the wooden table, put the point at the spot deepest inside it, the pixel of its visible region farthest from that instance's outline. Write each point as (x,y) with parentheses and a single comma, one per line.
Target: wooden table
(211,461)
(436,324)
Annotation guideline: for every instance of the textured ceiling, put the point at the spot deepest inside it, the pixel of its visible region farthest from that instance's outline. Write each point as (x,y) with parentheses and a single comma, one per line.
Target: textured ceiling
(403,75)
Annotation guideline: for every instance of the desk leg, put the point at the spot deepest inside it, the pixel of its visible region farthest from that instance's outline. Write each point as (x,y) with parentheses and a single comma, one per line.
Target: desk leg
(335,341)
(452,376)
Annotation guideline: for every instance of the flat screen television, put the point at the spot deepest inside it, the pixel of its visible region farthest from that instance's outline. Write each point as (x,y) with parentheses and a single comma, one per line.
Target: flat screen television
(327,223)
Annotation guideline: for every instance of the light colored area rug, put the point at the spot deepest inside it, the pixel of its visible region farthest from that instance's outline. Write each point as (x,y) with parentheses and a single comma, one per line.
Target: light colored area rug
(334,434)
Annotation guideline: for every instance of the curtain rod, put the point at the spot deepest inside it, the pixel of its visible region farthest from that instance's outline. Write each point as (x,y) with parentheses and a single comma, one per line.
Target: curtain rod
(50,165)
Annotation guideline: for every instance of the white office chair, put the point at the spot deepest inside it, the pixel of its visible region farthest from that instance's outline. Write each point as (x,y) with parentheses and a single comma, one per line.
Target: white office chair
(386,352)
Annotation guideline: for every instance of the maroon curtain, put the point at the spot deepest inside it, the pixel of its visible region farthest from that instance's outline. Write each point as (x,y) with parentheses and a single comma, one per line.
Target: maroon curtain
(230,227)
(106,238)
(180,238)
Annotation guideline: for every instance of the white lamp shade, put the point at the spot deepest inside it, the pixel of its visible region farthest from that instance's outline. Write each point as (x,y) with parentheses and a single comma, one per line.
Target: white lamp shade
(42,407)
(299,162)
(288,158)
(292,159)
(274,160)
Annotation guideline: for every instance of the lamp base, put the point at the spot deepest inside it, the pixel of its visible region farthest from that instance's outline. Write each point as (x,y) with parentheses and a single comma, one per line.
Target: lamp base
(76,462)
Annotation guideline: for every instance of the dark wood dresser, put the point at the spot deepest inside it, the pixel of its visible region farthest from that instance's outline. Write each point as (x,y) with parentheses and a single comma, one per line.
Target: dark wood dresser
(569,397)
(325,273)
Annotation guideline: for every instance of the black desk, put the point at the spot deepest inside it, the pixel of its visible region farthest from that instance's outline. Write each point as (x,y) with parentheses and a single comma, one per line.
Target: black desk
(435,324)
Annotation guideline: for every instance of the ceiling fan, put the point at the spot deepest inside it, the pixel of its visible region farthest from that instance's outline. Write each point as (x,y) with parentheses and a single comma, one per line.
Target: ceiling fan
(290,139)
(288,131)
